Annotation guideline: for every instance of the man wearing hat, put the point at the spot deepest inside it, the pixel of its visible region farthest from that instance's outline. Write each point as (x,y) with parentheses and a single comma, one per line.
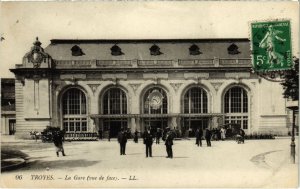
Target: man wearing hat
(169,143)
(148,141)
(122,139)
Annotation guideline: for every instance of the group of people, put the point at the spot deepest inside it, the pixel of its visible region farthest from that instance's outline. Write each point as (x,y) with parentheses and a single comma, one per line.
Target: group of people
(148,139)
(149,136)
(216,134)
(199,135)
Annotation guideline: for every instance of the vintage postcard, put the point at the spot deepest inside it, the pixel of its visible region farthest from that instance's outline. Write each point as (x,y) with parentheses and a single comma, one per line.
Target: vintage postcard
(149,94)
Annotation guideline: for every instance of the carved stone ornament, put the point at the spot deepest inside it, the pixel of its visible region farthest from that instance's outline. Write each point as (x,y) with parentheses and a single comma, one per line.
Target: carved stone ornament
(135,86)
(216,85)
(93,87)
(175,86)
(36,55)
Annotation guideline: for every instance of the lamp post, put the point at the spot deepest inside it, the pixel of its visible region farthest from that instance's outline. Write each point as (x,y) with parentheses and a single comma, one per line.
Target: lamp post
(294,108)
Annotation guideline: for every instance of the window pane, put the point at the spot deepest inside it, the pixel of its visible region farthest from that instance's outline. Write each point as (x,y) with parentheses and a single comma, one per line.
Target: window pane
(195,101)
(235,105)
(74,109)
(115,102)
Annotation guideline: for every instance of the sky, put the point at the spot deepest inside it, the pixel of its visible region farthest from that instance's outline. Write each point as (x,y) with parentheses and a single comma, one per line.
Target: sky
(22,22)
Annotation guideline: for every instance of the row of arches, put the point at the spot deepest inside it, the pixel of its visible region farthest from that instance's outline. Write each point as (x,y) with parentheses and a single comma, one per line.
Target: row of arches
(114,101)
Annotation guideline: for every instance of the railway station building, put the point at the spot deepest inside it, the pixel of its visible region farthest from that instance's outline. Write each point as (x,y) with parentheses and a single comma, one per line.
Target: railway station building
(91,85)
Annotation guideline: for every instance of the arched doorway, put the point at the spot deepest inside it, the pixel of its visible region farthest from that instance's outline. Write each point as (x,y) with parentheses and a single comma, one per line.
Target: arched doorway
(155,109)
(74,111)
(236,106)
(195,103)
(114,102)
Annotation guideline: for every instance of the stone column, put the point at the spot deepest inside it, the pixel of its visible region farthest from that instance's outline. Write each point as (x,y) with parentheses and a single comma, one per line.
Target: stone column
(133,124)
(215,123)
(138,124)
(174,122)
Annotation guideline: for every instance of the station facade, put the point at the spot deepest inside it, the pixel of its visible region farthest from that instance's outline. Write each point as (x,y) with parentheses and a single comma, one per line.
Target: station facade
(92,85)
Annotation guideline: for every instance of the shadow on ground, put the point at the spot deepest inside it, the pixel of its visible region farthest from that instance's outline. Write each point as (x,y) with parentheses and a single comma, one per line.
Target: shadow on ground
(58,164)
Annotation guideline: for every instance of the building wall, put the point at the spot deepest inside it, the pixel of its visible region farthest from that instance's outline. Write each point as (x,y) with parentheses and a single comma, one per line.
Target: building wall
(32,107)
(41,85)
(265,112)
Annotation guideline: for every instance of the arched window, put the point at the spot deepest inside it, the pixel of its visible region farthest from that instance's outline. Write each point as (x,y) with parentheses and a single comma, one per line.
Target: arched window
(195,101)
(114,102)
(74,111)
(155,101)
(236,106)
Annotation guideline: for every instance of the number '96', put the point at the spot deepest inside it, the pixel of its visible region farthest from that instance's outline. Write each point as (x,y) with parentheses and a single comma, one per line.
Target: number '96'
(19,177)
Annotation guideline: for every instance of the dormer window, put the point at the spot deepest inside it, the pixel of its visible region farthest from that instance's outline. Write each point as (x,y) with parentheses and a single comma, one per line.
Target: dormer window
(116,50)
(233,49)
(77,51)
(155,50)
(194,50)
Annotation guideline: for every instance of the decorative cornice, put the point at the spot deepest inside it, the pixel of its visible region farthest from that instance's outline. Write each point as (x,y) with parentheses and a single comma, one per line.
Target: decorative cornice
(216,85)
(135,86)
(175,86)
(94,87)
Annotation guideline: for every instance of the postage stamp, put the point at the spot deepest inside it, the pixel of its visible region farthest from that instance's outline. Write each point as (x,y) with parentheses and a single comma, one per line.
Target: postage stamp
(271,45)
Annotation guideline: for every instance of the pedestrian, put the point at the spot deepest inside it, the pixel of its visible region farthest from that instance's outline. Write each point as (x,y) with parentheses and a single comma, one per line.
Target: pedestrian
(208,137)
(136,138)
(169,143)
(222,133)
(109,135)
(122,139)
(58,142)
(197,137)
(199,134)
(100,133)
(157,135)
(219,134)
(148,141)
(242,133)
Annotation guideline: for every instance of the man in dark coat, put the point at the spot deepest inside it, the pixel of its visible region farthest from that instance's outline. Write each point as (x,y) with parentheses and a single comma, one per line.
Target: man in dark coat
(58,142)
(169,143)
(136,137)
(158,135)
(109,135)
(208,137)
(148,141)
(122,139)
(100,134)
(199,134)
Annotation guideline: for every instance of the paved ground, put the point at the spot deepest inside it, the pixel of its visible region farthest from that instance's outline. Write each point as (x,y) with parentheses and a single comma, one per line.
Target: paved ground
(257,163)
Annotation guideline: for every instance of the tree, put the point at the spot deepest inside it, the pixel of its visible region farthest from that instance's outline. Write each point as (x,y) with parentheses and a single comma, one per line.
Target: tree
(291,82)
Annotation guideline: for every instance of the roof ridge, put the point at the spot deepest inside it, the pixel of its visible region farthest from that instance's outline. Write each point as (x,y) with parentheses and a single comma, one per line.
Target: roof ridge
(54,41)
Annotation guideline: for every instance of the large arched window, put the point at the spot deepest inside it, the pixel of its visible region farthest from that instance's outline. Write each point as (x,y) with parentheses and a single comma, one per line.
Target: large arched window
(236,106)
(195,101)
(74,111)
(155,101)
(114,102)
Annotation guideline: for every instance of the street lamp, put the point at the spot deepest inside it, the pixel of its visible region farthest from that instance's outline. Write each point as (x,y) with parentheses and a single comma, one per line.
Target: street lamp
(294,107)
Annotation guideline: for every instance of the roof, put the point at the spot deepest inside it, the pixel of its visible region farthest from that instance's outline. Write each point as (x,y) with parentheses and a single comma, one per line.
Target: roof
(172,49)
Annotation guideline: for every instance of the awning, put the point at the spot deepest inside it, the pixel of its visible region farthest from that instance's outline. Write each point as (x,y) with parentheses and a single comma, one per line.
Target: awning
(118,116)
(202,115)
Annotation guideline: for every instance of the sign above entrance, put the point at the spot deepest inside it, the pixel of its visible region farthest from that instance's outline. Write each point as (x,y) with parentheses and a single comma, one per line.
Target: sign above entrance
(155,99)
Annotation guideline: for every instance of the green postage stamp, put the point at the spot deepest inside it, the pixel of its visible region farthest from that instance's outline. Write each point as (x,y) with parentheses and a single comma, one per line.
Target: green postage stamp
(271,45)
